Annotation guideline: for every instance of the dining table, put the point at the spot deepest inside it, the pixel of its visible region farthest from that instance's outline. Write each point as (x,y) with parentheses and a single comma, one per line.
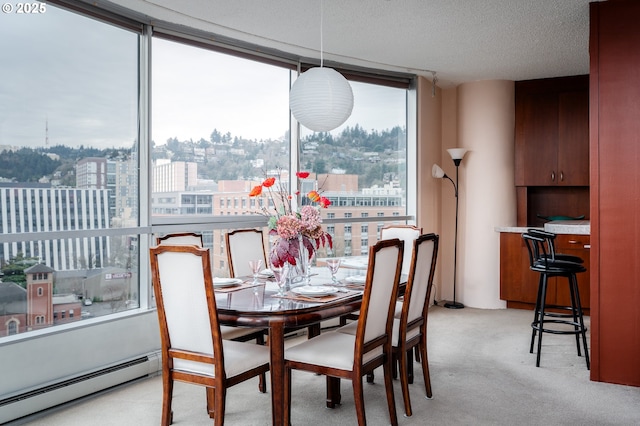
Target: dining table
(259,305)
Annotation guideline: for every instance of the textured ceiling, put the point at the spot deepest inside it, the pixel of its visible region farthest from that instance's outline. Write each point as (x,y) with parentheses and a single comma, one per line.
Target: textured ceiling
(461,40)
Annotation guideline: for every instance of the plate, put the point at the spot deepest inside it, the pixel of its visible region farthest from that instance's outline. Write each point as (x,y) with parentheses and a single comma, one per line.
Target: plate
(356,279)
(266,273)
(225,282)
(314,290)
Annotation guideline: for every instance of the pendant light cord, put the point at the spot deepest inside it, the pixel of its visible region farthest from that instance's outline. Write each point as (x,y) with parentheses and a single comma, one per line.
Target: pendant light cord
(321,25)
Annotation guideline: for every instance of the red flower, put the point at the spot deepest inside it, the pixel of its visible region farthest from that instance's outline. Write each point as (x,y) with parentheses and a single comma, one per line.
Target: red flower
(268,182)
(324,202)
(302,175)
(257,190)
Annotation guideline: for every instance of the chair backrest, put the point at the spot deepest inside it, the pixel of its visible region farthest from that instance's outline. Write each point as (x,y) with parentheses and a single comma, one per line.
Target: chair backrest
(181,239)
(537,247)
(421,271)
(378,301)
(189,329)
(406,233)
(244,245)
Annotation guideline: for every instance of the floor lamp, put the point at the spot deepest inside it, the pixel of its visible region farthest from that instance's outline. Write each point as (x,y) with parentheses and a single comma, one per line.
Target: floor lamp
(456,154)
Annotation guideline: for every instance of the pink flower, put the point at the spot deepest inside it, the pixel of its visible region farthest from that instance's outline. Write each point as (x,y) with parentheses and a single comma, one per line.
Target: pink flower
(288,227)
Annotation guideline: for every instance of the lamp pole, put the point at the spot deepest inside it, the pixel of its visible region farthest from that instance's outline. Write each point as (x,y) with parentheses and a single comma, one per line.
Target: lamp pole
(456,155)
(454,304)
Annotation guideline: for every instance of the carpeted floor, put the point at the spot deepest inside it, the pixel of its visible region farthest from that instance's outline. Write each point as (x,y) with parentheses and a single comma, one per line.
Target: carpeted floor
(481,371)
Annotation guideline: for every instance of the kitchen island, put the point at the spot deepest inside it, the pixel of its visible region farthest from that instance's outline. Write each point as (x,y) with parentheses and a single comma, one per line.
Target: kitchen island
(519,285)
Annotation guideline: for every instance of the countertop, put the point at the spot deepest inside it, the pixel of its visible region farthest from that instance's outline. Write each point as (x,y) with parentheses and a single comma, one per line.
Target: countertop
(578,227)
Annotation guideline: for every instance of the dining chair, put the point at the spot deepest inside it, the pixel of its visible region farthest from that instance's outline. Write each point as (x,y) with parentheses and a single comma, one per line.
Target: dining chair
(244,245)
(343,355)
(193,349)
(180,239)
(242,334)
(410,325)
(406,233)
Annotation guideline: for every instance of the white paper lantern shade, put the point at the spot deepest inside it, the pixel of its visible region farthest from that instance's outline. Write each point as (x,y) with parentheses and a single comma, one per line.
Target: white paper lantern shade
(321,99)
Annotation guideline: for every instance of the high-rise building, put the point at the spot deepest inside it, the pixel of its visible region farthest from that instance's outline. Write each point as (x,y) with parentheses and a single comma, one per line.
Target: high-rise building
(32,208)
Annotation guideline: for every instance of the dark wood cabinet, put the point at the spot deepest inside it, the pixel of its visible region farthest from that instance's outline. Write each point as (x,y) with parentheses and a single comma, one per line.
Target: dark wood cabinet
(552,132)
(519,285)
(552,148)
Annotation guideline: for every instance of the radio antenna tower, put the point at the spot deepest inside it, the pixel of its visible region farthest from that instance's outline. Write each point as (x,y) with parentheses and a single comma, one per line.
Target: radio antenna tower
(46,133)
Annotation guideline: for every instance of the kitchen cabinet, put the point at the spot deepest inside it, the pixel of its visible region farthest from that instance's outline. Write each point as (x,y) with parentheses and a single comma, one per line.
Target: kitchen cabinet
(519,285)
(552,132)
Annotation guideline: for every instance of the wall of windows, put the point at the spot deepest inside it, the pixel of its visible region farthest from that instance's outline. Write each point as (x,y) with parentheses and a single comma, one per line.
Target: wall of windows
(111,135)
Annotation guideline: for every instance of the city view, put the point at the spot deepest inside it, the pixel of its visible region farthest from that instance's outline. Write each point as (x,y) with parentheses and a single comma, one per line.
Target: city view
(83,188)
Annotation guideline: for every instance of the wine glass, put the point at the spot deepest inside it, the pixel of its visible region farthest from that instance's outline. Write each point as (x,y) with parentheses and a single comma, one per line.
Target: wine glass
(334,264)
(280,276)
(255,266)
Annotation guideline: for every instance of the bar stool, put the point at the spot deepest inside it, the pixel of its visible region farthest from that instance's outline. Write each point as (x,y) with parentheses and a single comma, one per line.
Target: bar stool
(550,318)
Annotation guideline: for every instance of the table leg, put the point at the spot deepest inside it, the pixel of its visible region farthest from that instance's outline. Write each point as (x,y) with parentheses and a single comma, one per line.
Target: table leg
(333,392)
(276,346)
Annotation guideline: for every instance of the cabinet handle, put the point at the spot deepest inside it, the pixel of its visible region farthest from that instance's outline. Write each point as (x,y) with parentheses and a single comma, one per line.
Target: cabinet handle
(561,176)
(553,176)
(573,242)
(587,246)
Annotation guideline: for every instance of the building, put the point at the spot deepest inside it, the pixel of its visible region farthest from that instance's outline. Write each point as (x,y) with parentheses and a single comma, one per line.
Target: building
(171,176)
(26,208)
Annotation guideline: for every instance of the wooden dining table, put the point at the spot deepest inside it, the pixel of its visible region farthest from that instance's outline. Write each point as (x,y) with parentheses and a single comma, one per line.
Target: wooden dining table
(260,307)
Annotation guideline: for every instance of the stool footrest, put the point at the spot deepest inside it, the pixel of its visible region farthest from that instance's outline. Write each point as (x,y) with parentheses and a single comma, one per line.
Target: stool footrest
(578,329)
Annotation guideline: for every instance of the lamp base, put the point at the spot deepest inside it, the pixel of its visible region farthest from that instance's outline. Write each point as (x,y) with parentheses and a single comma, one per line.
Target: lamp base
(453,305)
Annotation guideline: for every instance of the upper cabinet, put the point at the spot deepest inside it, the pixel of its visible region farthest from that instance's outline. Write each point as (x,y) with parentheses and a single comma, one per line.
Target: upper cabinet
(552,132)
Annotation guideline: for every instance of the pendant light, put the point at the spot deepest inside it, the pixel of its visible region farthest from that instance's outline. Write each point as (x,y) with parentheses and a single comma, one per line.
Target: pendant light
(321,98)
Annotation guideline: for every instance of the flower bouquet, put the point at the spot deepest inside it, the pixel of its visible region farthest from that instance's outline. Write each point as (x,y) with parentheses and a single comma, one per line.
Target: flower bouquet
(298,231)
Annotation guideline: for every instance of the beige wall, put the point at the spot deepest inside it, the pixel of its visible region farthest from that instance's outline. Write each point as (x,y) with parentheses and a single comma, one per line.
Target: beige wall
(478,116)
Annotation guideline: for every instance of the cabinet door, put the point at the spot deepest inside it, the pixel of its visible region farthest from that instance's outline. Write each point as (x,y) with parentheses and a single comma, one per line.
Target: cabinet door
(537,136)
(573,138)
(576,245)
(518,284)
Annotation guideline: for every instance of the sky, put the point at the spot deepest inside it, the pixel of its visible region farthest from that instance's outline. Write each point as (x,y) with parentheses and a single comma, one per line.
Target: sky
(67,81)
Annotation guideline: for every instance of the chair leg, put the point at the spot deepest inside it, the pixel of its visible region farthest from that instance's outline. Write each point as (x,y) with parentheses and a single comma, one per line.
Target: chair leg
(404,380)
(425,368)
(417,353)
(211,402)
(394,365)
(220,396)
(581,319)
(333,392)
(358,398)
(370,377)
(574,312)
(541,317)
(167,397)
(262,379)
(388,384)
(410,365)
(536,314)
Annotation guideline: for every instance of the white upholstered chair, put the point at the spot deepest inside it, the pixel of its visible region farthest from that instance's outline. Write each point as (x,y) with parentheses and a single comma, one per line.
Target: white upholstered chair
(193,350)
(406,233)
(410,325)
(228,332)
(343,355)
(181,239)
(244,245)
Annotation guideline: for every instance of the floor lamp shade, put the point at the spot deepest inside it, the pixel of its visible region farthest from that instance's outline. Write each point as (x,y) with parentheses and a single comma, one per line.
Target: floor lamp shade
(321,99)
